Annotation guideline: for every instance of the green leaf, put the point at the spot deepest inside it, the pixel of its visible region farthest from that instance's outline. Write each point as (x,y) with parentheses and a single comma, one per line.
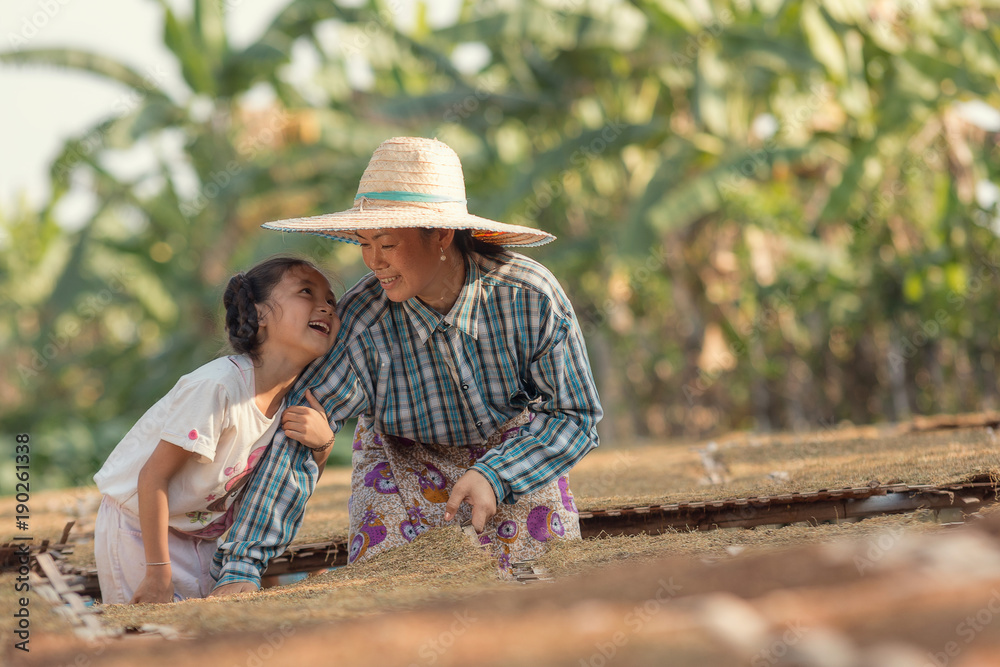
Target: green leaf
(196,64)
(91,63)
(956,278)
(823,41)
(712,102)
(913,287)
(209,27)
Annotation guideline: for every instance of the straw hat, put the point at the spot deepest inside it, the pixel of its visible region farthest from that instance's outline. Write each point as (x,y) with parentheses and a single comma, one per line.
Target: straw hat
(412,182)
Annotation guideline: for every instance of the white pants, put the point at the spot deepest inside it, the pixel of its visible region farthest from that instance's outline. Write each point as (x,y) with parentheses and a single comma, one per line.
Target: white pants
(121,559)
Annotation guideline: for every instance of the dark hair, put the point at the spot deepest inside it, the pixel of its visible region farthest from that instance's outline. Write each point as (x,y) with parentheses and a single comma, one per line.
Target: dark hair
(245,291)
(466,243)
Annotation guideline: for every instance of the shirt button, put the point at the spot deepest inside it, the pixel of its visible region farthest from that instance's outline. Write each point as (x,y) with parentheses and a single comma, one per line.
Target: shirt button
(479,423)
(465,387)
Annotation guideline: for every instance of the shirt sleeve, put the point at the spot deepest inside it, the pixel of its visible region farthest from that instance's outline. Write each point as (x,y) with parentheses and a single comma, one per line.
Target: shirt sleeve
(196,417)
(565,425)
(334,381)
(270,512)
(271,509)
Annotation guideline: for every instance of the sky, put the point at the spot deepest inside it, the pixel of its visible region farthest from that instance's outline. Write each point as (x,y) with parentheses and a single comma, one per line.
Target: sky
(44,106)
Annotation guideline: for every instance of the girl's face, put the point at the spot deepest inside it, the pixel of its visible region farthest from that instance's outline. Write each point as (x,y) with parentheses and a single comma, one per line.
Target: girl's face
(407,263)
(300,319)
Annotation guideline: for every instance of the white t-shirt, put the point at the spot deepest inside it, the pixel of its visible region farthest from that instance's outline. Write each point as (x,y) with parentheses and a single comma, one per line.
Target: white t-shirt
(212,413)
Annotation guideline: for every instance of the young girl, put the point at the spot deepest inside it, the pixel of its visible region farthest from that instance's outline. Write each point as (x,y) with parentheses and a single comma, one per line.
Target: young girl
(170,484)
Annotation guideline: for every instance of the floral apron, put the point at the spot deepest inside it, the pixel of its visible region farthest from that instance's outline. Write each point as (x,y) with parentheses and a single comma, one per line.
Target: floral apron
(399,489)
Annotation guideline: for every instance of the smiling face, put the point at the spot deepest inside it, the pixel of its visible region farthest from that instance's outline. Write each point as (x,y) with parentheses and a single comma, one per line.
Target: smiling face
(300,318)
(407,263)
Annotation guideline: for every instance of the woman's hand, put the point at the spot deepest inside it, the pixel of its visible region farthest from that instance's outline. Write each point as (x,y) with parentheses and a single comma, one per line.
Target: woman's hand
(308,425)
(476,490)
(233,589)
(157,586)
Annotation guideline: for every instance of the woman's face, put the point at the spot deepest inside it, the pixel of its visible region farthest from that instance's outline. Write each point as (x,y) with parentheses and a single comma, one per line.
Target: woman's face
(407,263)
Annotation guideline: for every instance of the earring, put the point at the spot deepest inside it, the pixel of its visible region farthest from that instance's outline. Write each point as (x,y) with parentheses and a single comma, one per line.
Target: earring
(443,258)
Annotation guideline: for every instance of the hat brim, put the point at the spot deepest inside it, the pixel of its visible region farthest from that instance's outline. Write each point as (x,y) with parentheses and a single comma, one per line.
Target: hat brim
(342,226)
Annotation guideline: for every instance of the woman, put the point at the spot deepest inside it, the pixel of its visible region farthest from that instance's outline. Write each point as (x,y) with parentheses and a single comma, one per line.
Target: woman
(466,366)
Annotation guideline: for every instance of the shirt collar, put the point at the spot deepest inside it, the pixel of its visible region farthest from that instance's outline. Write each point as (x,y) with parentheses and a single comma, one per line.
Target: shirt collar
(464,315)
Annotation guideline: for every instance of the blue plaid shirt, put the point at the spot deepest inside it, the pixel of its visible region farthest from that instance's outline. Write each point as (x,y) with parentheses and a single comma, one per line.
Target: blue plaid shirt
(510,339)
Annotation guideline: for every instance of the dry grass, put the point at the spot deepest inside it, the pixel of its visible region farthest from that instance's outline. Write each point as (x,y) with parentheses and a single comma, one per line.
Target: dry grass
(571,558)
(650,473)
(443,566)
(655,474)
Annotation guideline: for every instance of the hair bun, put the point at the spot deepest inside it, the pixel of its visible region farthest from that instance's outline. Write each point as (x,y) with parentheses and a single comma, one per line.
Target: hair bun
(241,314)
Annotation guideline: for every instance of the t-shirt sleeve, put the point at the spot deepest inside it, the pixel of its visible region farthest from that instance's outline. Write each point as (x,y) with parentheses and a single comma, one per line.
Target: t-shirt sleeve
(197,417)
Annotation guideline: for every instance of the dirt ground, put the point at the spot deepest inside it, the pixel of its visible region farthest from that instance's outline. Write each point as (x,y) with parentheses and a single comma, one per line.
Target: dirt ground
(897,590)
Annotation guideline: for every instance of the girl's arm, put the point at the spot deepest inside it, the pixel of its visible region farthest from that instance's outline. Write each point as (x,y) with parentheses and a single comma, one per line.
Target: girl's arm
(155,476)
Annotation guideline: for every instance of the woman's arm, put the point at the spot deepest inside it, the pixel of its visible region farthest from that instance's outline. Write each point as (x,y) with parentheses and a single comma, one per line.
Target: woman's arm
(565,424)
(154,478)
(271,509)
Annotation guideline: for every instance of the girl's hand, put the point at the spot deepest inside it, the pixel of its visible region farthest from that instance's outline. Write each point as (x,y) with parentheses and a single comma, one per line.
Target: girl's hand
(308,425)
(156,587)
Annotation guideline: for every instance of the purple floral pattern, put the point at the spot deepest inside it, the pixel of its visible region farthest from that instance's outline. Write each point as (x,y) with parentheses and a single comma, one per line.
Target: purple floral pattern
(381,479)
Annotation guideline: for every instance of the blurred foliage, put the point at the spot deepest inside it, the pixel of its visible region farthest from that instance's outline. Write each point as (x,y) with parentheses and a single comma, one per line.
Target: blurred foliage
(770,214)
